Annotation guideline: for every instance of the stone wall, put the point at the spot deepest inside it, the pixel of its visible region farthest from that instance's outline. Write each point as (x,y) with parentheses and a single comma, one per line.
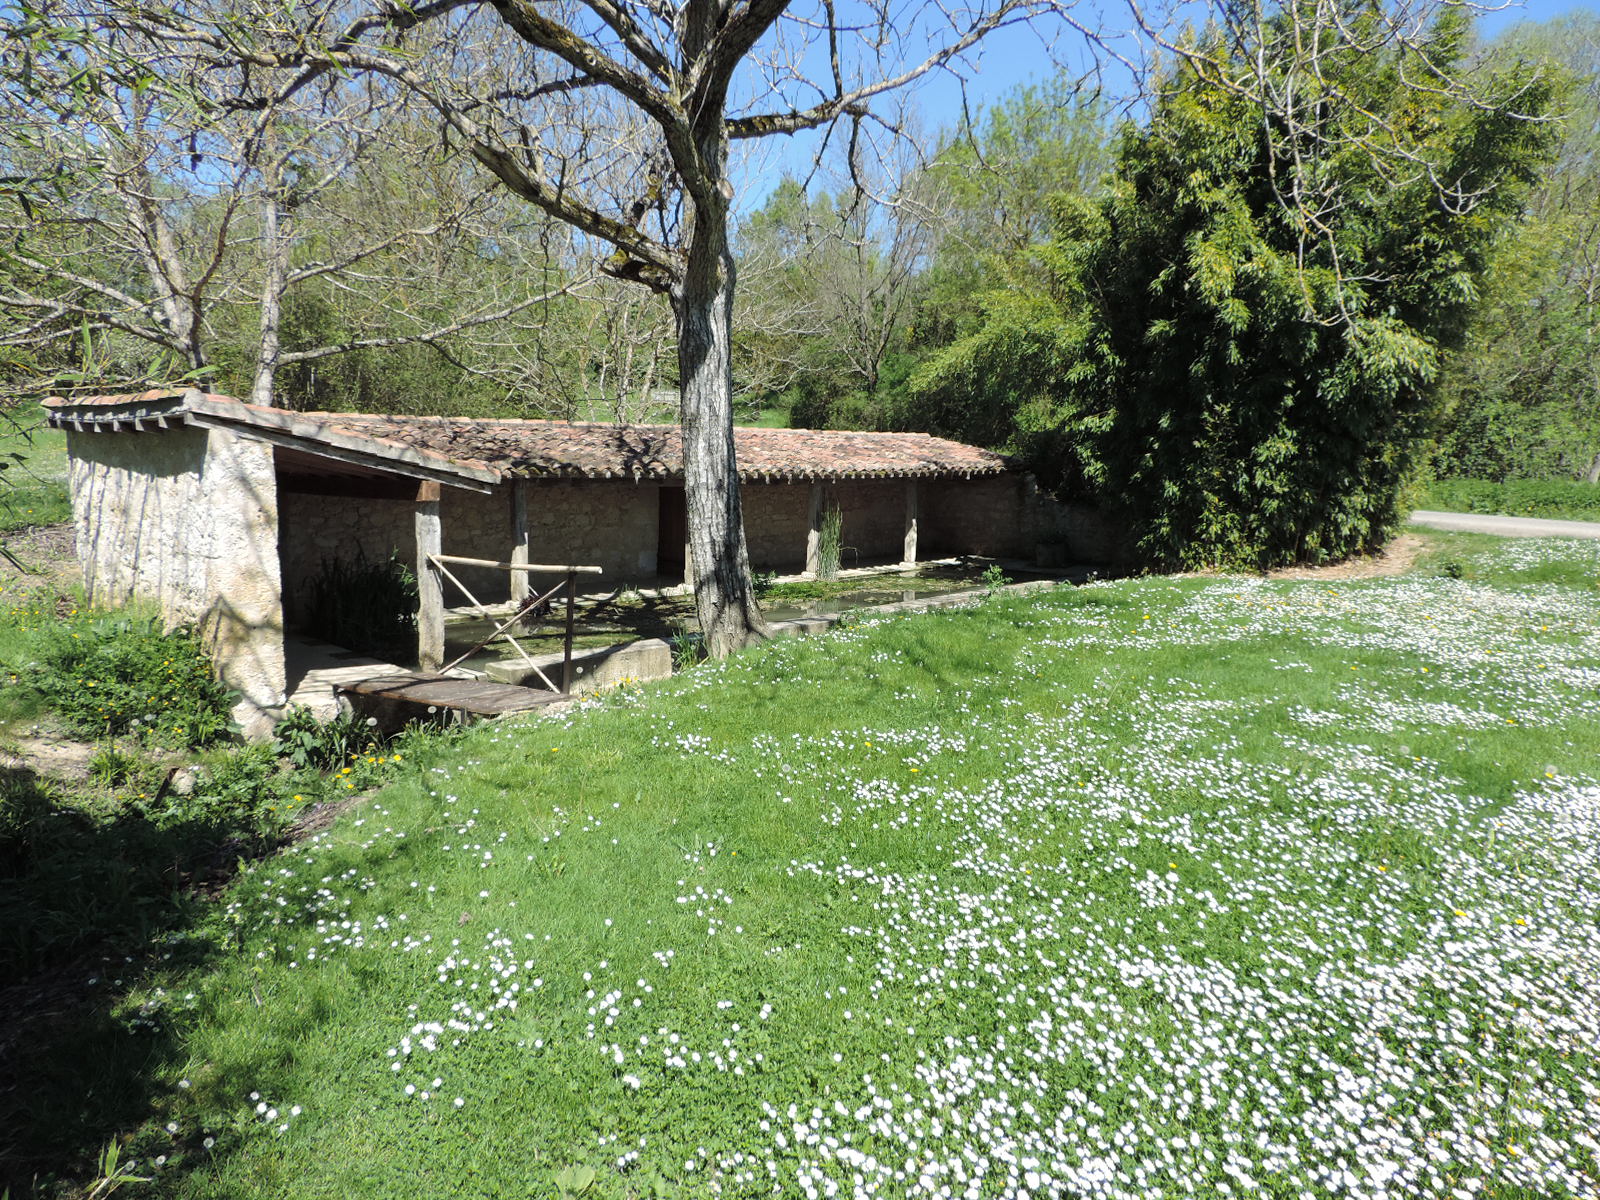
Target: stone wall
(337,529)
(873,528)
(188,519)
(777,520)
(612,525)
(983,516)
(1007,516)
(476,525)
(1067,533)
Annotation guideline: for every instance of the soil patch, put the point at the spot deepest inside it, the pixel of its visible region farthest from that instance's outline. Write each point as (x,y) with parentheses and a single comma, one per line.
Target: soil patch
(1398,557)
(56,758)
(47,556)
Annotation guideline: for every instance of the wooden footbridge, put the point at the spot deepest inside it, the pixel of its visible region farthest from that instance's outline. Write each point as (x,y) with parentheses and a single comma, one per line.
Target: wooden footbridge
(406,695)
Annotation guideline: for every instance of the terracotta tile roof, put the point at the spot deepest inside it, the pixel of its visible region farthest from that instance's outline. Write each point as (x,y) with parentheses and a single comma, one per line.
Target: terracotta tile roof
(309,432)
(571,450)
(563,449)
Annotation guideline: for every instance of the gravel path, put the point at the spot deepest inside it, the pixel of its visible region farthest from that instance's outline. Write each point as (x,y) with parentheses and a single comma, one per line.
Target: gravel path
(1507,526)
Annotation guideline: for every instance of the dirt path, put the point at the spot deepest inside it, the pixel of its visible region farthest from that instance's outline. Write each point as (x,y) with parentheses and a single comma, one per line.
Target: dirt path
(1398,557)
(52,757)
(1507,526)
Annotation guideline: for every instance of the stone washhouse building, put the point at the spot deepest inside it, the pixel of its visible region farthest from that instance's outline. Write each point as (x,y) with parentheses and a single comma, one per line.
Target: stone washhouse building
(222,512)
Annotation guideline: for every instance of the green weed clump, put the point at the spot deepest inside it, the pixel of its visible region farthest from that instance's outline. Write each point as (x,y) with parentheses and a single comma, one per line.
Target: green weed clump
(1558,499)
(108,675)
(305,742)
(831,543)
(365,605)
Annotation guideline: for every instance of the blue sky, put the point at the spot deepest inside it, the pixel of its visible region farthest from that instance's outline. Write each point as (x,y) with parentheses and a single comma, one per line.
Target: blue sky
(1019,55)
(1016,56)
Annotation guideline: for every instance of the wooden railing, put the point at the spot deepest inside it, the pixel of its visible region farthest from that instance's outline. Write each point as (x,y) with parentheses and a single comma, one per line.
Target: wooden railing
(535,605)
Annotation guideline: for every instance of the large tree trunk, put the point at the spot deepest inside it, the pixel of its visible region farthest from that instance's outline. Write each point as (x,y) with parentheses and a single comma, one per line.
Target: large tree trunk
(703,304)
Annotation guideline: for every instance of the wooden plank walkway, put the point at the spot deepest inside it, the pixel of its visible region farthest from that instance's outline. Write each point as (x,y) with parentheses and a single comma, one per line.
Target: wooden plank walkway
(477,697)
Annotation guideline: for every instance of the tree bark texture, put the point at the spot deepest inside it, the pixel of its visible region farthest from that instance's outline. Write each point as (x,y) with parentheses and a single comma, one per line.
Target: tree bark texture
(724,599)
(702,302)
(277,237)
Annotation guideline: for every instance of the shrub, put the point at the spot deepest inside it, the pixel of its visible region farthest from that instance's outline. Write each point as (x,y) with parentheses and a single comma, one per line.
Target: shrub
(26,810)
(308,742)
(107,675)
(236,791)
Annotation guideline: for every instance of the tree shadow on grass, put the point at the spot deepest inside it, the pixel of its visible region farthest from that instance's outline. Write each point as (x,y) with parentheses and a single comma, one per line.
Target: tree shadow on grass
(92,909)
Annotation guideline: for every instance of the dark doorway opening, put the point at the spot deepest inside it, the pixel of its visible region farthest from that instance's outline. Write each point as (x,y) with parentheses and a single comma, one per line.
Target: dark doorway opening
(673,533)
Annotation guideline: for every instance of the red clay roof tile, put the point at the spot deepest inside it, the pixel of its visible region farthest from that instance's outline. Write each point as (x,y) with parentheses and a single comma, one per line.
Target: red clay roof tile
(564,449)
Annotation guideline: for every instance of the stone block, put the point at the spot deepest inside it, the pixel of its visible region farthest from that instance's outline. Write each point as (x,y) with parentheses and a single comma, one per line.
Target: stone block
(600,667)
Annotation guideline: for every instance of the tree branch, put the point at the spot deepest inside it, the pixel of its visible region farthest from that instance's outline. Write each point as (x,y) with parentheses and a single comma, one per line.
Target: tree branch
(853,103)
(431,335)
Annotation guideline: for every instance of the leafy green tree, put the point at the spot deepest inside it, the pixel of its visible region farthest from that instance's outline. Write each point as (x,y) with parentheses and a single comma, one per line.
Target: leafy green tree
(1001,170)
(1521,397)
(1236,346)
(876,286)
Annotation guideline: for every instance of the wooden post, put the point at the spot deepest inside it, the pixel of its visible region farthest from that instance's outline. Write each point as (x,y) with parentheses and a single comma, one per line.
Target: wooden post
(814,531)
(430,587)
(520,544)
(909,557)
(566,660)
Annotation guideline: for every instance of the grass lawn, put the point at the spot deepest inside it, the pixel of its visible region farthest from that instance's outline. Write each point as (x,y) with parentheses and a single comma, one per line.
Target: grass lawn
(1568,500)
(1163,887)
(33,484)
(769,418)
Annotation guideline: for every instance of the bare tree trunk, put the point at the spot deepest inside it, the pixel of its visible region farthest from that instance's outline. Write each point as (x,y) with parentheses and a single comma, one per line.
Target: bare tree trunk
(703,304)
(1592,475)
(276,237)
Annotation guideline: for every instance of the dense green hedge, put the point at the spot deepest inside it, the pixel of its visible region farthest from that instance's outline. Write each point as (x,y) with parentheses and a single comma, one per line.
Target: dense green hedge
(1516,497)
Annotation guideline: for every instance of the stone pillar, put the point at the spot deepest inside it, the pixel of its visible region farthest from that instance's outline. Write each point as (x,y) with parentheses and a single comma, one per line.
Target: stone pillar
(814,531)
(430,584)
(520,540)
(909,556)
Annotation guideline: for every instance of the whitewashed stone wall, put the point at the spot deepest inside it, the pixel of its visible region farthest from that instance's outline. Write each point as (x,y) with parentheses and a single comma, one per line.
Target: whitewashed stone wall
(188,519)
